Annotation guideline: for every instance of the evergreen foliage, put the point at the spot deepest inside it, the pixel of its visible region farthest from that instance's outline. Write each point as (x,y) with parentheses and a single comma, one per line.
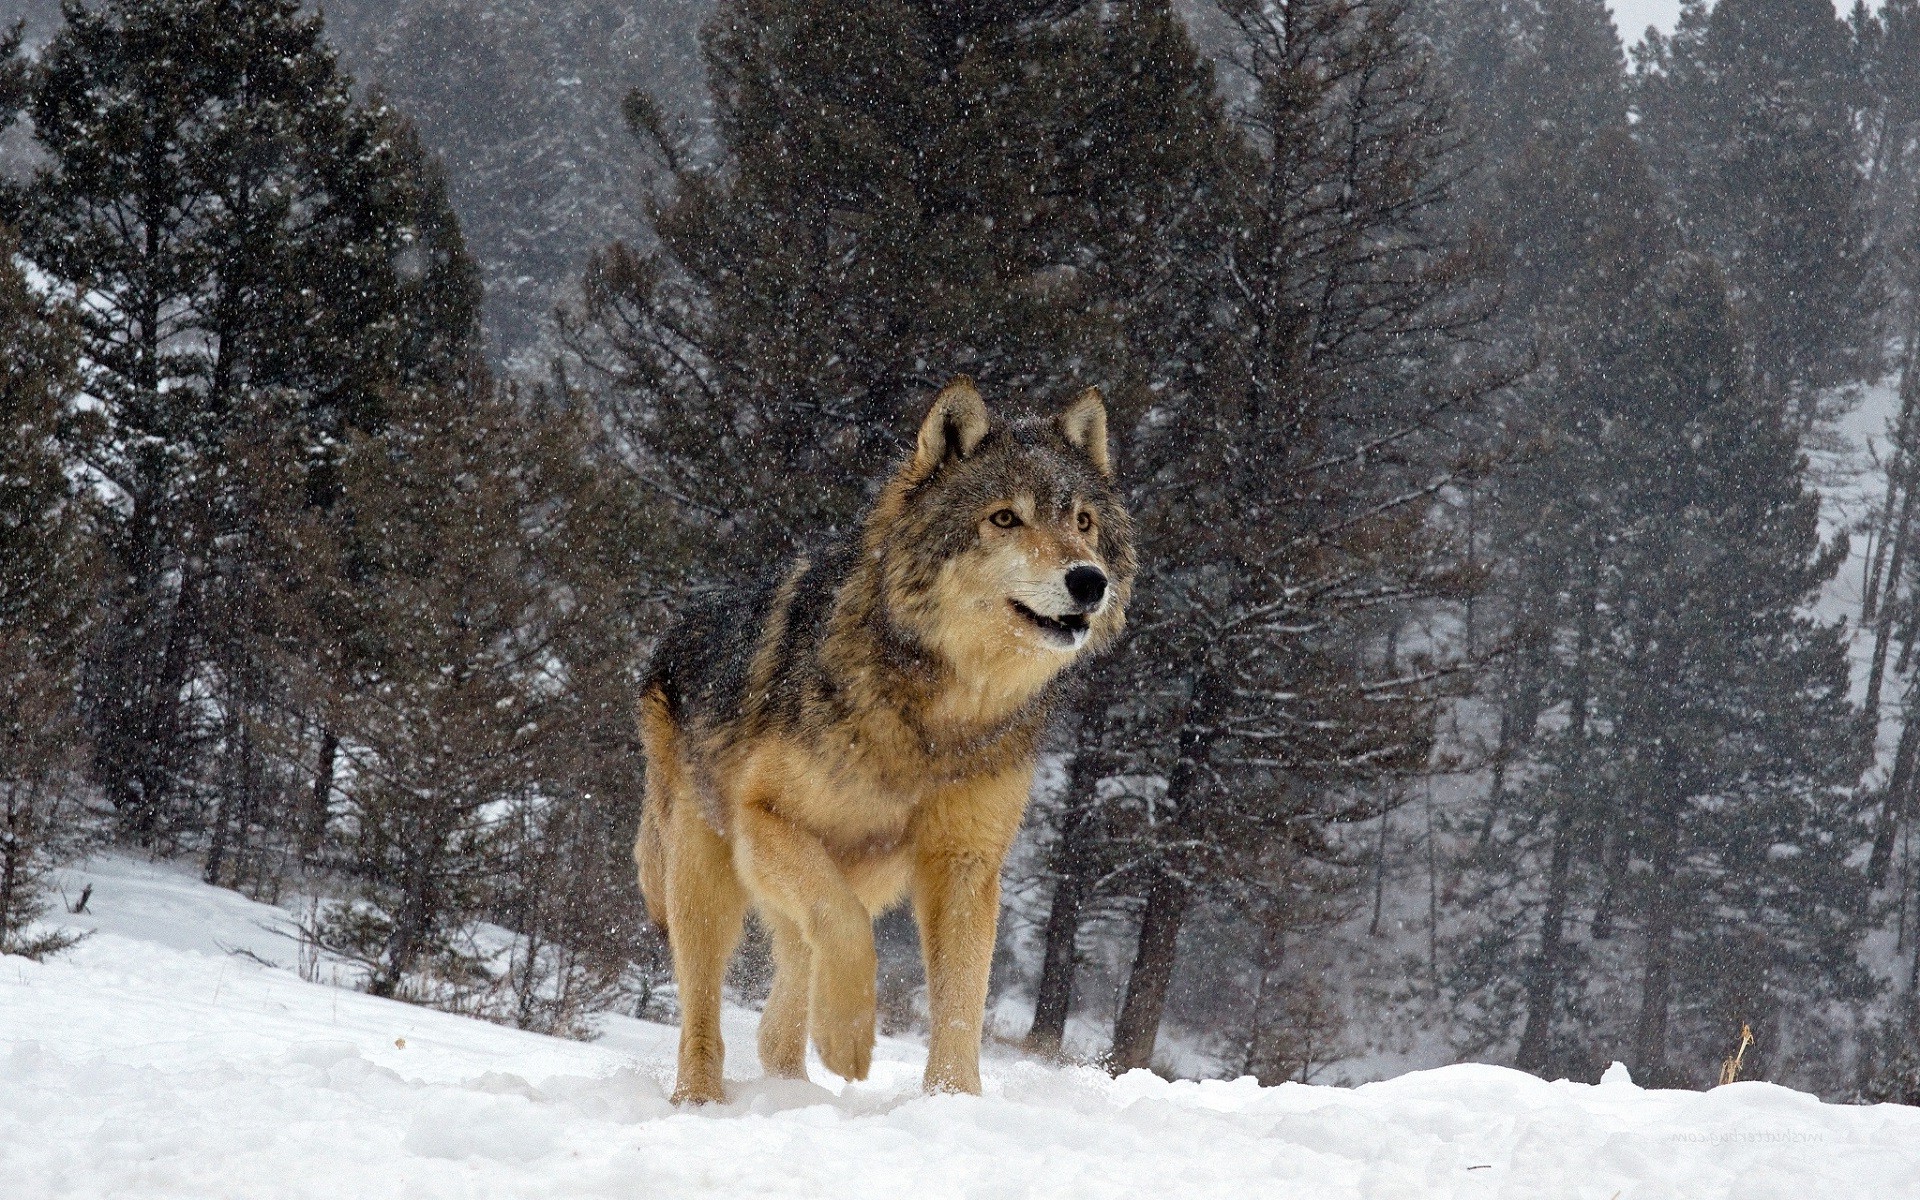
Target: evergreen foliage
(242,243)
(1748,112)
(522,107)
(1664,849)
(1582,221)
(1886,49)
(46,604)
(1301,526)
(1694,777)
(905,191)
(466,594)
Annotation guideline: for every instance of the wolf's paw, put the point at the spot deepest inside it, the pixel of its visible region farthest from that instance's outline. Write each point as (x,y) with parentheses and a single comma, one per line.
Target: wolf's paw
(699,1089)
(783,1051)
(846,1047)
(843,1024)
(958,1078)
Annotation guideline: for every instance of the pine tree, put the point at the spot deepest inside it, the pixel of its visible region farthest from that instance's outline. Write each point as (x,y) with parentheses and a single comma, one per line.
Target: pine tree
(522,106)
(1309,525)
(906,190)
(1745,748)
(1527,70)
(46,595)
(1570,199)
(464,623)
(1887,46)
(1614,898)
(1694,770)
(242,241)
(13,74)
(1749,118)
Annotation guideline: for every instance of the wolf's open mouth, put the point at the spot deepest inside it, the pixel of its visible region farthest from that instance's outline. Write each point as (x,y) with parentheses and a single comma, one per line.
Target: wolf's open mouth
(1068,628)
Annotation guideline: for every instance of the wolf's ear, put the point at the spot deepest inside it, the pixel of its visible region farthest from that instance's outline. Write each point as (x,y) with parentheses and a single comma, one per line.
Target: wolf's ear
(1084,424)
(953,428)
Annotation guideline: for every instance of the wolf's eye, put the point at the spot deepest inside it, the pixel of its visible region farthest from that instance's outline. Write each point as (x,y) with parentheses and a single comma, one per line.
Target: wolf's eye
(1085,522)
(1005,518)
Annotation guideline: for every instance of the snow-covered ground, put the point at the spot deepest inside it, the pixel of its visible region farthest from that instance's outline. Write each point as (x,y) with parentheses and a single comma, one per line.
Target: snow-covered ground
(153,1060)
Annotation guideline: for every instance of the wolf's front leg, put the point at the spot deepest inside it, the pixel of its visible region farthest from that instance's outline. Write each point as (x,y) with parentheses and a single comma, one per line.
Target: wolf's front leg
(792,873)
(959,843)
(956,899)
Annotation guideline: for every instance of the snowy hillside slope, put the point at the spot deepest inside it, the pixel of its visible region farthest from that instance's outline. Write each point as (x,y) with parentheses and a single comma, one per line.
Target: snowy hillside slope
(153,1062)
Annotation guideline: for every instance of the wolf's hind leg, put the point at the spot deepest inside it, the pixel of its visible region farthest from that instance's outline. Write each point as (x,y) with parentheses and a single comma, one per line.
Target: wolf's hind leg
(783,1024)
(666,778)
(793,875)
(705,908)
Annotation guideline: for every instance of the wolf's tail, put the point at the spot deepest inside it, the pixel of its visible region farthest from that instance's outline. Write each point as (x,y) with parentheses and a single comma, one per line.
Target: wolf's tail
(660,737)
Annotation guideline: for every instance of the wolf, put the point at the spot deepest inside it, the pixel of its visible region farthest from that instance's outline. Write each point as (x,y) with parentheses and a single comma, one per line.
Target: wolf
(862,726)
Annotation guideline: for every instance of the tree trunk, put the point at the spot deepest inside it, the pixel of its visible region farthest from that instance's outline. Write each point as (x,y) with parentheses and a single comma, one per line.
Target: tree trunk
(246,871)
(1146,999)
(123,676)
(1893,805)
(1054,997)
(1380,868)
(148,740)
(313,827)
(1886,601)
(1273,953)
(1912,997)
(404,942)
(1543,977)
(1167,890)
(1898,499)
(15,844)
(217,847)
(419,910)
(1613,861)
(1074,867)
(1656,990)
(1881,602)
(233,814)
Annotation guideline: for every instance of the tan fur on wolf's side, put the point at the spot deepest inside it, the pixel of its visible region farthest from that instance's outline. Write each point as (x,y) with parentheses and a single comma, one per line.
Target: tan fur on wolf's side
(863,726)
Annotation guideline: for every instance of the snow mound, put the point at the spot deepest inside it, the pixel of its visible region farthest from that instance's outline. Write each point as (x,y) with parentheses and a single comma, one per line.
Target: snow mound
(155,1061)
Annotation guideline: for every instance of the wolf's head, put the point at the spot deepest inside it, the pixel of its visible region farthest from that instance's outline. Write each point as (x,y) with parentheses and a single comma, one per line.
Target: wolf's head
(1001,540)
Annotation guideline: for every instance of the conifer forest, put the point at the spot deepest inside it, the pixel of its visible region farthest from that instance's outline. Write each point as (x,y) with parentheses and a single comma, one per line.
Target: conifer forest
(1519,417)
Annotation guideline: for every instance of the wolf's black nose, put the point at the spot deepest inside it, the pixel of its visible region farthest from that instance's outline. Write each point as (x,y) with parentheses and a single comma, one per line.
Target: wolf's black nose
(1087,585)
